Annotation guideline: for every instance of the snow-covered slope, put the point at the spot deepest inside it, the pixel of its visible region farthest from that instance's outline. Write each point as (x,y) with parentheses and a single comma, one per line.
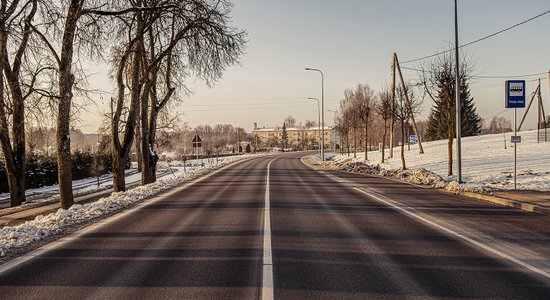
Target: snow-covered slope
(485,161)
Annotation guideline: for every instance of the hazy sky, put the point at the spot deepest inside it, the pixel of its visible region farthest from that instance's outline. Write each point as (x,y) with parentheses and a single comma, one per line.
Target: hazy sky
(352,42)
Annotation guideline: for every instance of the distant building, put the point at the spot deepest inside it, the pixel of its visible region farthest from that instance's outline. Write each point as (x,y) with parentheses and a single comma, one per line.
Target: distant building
(298,138)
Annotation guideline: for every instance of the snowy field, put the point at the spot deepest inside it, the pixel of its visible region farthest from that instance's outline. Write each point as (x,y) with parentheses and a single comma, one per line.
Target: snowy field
(14,239)
(485,162)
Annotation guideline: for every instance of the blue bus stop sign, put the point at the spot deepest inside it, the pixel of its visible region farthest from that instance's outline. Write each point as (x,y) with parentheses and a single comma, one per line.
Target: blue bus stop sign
(515,93)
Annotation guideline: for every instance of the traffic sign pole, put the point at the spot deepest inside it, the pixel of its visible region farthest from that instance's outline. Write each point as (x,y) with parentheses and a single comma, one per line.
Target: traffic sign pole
(515,149)
(514,98)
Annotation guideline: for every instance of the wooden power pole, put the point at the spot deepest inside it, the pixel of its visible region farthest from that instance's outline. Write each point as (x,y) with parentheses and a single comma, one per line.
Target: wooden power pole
(409,107)
(392,109)
(529,107)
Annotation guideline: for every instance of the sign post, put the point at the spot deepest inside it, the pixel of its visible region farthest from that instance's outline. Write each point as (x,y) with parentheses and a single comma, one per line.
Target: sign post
(197,143)
(515,98)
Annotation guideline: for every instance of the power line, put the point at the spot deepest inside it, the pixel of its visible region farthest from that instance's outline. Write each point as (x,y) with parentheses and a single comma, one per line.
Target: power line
(252,103)
(478,40)
(487,76)
(509,76)
(247,108)
(246,99)
(497,114)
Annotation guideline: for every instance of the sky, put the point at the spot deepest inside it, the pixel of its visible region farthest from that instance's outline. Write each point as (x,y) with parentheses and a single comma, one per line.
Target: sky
(352,42)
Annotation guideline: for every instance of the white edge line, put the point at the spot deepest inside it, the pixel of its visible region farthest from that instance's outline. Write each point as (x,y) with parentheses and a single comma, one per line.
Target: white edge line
(96,225)
(267,262)
(410,211)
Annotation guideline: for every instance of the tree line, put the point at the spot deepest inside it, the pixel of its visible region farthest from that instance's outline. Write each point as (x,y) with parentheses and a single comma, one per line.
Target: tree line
(153,46)
(370,120)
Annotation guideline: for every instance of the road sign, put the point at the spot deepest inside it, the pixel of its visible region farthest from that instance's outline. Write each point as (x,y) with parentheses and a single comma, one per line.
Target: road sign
(516,139)
(197,142)
(413,139)
(515,93)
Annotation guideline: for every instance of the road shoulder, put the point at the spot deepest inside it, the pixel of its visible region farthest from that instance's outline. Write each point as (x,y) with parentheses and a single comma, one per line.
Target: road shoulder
(524,200)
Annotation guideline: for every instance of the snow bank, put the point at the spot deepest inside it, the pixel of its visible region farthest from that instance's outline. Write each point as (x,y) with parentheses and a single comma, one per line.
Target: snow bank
(14,239)
(486,164)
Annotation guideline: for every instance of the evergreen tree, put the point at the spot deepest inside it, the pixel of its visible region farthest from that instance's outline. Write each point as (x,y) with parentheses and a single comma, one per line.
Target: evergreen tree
(471,121)
(284,137)
(443,113)
(439,81)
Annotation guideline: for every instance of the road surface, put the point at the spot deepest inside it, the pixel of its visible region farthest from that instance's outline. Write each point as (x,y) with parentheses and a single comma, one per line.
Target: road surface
(296,233)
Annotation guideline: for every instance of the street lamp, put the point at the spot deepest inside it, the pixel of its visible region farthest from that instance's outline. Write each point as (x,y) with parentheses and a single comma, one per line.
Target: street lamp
(457,95)
(319,121)
(322,111)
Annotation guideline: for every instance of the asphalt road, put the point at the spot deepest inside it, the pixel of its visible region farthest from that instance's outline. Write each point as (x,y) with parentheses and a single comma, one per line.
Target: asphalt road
(332,235)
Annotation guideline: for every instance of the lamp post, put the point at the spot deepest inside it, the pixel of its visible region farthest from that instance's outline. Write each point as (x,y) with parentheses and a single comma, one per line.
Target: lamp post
(319,121)
(335,131)
(322,111)
(457,94)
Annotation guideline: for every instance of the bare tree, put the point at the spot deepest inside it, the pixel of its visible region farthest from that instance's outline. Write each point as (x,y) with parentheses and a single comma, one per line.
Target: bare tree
(310,124)
(290,122)
(219,139)
(343,130)
(403,111)
(240,135)
(362,103)
(499,125)
(384,111)
(348,106)
(196,35)
(78,25)
(12,16)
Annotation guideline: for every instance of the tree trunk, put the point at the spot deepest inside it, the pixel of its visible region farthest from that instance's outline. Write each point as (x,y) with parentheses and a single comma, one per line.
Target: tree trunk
(66,82)
(366,140)
(14,157)
(408,137)
(147,167)
(152,138)
(121,150)
(404,166)
(137,145)
(348,143)
(118,168)
(450,152)
(354,142)
(384,138)
(15,154)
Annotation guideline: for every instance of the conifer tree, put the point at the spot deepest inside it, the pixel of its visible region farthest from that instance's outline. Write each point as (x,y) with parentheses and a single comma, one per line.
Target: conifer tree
(284,137)
(443,113)
(439,83)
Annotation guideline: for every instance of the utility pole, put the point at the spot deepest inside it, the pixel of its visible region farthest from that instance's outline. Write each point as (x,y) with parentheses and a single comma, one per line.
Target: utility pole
(538,114)
(528,107)
(409,106)
(457,92)
(392,112)
(542,118)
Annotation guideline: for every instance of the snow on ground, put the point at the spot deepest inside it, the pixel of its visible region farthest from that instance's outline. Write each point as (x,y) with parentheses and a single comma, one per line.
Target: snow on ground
(486,165)
(14,239)
(80,186)
(84,186)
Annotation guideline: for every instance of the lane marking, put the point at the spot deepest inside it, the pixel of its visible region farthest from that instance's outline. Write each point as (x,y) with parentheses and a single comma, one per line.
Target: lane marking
(267,263)
(411,212)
